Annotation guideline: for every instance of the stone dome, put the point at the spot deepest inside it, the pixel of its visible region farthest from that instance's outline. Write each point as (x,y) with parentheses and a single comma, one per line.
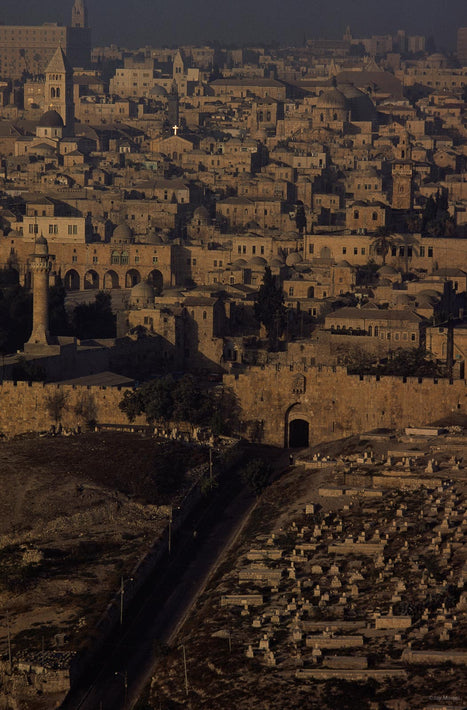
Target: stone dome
(240,263)
(332,98)
(41,246)
(142,294)
(257,261)
(387,271)
(402,298)
(122,234)
(51,119)
(153,238)
(430,293)
(294,258)
(344,264)
(276,262)
(157,90)
(201,213)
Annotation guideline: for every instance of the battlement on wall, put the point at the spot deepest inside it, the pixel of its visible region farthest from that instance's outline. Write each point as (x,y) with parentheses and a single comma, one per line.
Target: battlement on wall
(26,406)
(335,404)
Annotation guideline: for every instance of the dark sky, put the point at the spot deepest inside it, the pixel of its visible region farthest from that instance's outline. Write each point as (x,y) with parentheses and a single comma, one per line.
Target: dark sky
(134,23)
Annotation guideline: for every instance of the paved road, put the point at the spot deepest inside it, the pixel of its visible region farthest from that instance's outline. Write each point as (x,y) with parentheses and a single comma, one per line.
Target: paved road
(131,656)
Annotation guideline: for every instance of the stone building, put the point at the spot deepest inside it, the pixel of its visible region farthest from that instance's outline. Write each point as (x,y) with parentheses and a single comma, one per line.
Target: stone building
(29,48)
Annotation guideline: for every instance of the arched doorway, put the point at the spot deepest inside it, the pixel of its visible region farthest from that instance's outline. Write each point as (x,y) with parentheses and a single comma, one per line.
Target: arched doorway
(71,280)
(91,279)
(132,278)
(155,278)
(299,434)
(110,280)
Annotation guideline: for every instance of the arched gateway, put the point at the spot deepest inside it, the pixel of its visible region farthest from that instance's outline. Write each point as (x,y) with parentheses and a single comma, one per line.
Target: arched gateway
(299,434)
(297,427)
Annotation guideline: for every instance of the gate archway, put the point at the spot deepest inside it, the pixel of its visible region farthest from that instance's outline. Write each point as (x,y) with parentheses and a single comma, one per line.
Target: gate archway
(299,434)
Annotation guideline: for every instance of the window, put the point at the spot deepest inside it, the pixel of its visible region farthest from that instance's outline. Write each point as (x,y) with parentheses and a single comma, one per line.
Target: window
(376,330)
(290,290)
(193,261)
(356,214)
(374,216)
(412,336)
(262,250)
(136,259)
(239,249)
(94,260)
(205,315)
(344,250)
(154,259)
(363,251)
(115,258)
(311,249)
(355,250)
(74,258)
(253,250)
(124,257)
(72,229)
(430,252)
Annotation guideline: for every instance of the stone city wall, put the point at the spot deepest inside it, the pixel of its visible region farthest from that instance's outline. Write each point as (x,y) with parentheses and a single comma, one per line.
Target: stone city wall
(335,404)
(25,407)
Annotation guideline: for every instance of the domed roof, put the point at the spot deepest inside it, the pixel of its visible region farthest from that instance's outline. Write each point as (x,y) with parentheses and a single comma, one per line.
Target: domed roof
(239,262)
(51,119)
(344,264)
(122,233)
(257,261)
(143,288)
(429,293)
(157,90)
(332,98)
(153,238)
(276,261)
(142,294)
(387,270)
(201,212)
(294,258)
(41,246)
(402,298)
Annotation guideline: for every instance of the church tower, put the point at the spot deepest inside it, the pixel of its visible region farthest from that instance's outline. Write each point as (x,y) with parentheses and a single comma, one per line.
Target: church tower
(79,14)
(59,89)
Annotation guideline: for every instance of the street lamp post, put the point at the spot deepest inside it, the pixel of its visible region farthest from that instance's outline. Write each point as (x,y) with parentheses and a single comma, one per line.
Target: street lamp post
(184,668)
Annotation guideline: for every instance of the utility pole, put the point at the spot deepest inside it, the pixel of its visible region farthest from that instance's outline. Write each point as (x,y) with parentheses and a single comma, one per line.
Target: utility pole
(184,668)
(8,638)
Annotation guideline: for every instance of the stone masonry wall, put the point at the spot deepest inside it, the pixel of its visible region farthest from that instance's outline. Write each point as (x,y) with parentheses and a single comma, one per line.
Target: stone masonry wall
(333,403)
(23,406)
(336,404)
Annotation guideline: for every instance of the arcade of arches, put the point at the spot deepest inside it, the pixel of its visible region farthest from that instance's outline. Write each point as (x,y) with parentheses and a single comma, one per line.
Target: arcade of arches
(110,279)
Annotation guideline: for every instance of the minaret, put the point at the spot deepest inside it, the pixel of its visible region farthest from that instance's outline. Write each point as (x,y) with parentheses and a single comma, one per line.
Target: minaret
(79,14)
(59,89)
(40,266)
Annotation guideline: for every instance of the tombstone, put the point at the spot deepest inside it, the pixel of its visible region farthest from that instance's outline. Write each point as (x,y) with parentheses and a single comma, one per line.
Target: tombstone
(249,652)
(264,643)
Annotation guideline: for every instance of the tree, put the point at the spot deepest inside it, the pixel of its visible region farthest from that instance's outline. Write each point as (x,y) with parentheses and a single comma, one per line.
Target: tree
(382,242)
(59,323)
(270,309)
(94,320)
(256,475)
(436,220)
(56,404)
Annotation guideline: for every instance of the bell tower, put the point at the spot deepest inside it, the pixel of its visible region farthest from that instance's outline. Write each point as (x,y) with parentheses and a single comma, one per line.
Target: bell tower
(79,14)
(59,89)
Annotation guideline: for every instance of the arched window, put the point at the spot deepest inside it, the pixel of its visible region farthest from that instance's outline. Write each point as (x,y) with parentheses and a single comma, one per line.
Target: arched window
(205,315)
(124,257)
(370,330)
(57,92)
(115,258)
(52,93)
